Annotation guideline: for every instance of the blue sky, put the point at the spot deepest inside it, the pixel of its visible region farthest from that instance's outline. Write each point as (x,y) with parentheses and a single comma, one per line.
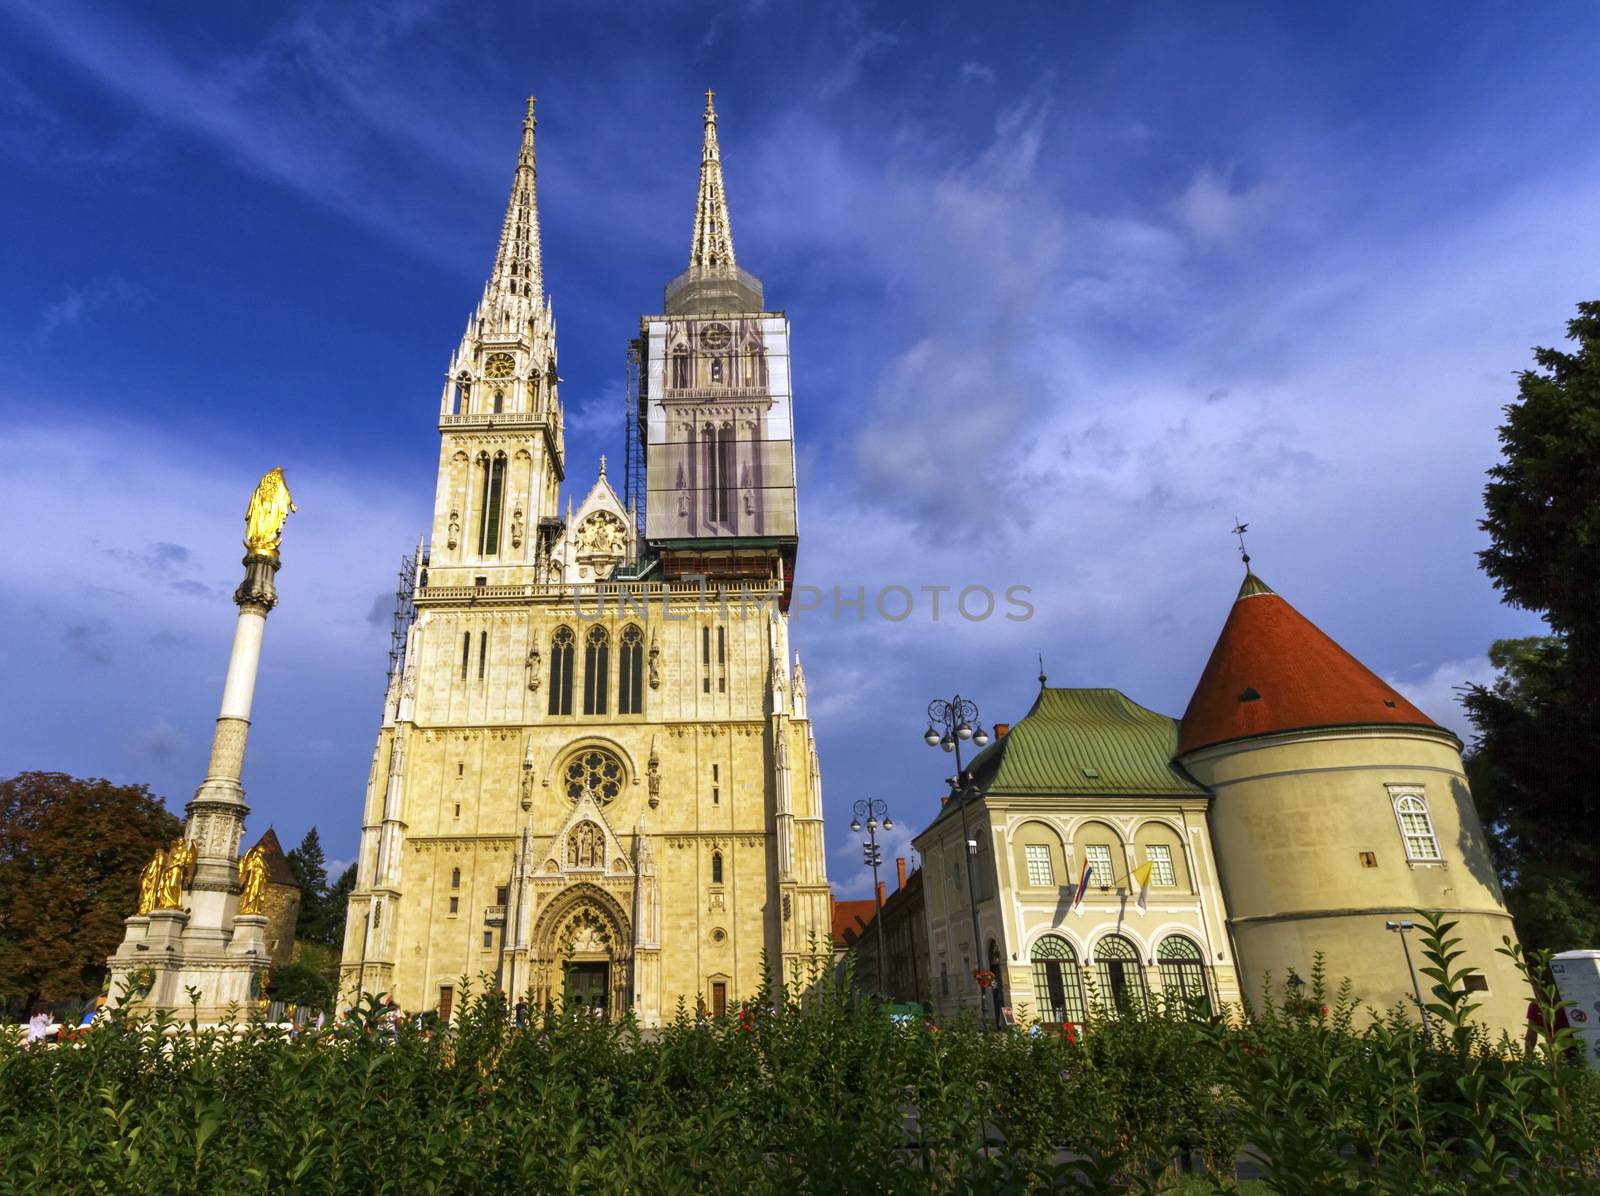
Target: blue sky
(1071,286)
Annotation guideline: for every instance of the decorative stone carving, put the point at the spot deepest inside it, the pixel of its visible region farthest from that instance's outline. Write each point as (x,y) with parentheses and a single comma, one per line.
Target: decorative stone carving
(516,528)
(532,665)
(655,658)
(601,535)
(455,529)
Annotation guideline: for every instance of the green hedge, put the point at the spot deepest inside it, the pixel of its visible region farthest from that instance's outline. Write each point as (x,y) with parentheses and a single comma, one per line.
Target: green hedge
(819,1093)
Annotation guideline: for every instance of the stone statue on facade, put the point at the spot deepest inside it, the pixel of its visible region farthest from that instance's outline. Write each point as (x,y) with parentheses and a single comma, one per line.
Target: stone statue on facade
(270,505)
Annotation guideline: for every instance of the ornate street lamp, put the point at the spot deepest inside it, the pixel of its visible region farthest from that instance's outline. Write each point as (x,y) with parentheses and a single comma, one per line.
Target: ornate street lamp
(959,720)
(872,856)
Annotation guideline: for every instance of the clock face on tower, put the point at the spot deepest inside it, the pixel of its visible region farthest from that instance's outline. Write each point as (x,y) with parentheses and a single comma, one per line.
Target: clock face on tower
(499,365)
(714,337)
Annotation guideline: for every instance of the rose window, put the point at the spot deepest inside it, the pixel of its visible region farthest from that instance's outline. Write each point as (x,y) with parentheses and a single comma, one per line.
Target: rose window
(596,770)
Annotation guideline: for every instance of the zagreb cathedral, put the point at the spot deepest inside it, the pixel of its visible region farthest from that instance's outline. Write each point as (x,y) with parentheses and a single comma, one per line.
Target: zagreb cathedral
(595,781)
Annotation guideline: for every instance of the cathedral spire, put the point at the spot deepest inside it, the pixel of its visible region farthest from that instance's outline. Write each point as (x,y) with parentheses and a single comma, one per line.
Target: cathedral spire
(712,247)
(518,273)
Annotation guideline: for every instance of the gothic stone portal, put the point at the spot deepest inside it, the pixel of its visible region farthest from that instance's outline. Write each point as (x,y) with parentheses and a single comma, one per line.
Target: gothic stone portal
(583,951)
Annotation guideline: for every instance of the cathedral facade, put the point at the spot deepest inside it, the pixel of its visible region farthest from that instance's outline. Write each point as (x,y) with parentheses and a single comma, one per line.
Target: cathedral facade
(596,781)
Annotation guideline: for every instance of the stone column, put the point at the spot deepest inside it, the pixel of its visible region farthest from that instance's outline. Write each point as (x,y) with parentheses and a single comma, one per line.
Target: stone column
(216,815)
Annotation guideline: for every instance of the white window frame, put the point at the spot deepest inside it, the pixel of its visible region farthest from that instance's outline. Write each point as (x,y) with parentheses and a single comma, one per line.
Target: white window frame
(1095,879)
(1037,857)
(1163,873)
(1401,794)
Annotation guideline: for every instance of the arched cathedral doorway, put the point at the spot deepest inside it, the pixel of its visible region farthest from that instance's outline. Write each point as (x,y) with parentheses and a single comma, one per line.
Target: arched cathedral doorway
(582,948)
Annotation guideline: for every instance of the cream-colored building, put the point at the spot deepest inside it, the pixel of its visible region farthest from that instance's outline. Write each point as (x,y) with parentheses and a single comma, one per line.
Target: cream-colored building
(1338,808)
(596,780)
(1086,778)
(1301,807)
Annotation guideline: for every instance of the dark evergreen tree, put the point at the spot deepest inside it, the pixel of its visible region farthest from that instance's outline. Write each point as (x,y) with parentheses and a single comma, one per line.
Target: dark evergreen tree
(310,868)
(1538,725)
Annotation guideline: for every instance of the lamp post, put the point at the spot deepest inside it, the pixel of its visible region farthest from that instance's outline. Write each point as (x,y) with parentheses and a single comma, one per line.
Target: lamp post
(1400,928)
(959,719)
(872,855)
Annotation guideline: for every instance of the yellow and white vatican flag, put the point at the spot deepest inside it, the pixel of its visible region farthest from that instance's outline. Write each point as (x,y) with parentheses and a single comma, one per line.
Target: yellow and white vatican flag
(1141,881)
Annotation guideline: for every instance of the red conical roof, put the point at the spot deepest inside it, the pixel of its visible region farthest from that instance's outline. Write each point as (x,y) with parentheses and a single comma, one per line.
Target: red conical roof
(1274,670)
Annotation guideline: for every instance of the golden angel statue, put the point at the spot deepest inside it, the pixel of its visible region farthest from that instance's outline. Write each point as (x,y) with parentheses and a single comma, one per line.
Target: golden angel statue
(270,505)
(176,873)
(253,880)
(150,881)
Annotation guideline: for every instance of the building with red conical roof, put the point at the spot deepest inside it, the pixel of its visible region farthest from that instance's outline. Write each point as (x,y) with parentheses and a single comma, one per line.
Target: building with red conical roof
(1337,807)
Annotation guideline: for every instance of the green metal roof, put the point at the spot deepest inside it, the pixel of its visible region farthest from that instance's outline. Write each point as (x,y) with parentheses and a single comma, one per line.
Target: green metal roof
(1091,742)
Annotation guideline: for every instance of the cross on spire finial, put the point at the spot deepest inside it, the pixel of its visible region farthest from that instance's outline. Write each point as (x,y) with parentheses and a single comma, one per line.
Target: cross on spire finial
(712,244)
(1239,529)
(1042,677)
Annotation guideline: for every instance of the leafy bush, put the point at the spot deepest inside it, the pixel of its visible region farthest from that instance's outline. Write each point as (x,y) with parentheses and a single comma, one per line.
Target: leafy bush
(813,1091)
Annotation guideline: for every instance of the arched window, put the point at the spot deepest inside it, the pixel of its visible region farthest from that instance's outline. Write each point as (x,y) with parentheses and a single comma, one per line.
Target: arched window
(1416,828)
(455,878)
(499,401)
(1057,986)
(596,669)
(463,393)
(494,485)
(719,479)
(562,645)
(1183,973)
(630,672)
(716,867)
(680,368)
(1120,976)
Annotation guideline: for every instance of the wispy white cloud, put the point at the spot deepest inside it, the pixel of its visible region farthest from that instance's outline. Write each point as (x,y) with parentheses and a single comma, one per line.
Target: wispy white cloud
(1437,691)
(79,304)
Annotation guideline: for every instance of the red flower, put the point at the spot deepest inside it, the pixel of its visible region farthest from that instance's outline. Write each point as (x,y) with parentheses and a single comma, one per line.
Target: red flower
(983,977)
(1069,1033)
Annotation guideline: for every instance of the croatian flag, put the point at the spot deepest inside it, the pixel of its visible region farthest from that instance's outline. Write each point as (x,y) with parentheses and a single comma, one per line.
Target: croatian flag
(1083,886)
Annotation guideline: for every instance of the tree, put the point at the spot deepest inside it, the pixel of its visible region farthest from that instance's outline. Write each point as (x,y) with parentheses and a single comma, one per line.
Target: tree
(70,855)
(310,868)
(1538,733)
(337,906)
(1542,503)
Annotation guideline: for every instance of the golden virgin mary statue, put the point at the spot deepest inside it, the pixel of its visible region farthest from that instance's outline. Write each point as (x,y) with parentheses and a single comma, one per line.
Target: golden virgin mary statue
(270,505)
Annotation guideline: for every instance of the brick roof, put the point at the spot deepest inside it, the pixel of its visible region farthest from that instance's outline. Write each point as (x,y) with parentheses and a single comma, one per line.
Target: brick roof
(850,918)
(278,871)
(1274,670)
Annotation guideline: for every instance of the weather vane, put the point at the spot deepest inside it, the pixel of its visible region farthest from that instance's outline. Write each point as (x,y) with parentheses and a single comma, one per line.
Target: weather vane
(1239,530)
(1042,677)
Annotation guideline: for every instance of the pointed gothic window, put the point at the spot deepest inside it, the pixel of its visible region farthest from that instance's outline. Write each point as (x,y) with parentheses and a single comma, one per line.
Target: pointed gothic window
(494,484)
(499,401)
(596,669)
(716,867)
(680,368)
(630,672)
(716,369)
(562,646)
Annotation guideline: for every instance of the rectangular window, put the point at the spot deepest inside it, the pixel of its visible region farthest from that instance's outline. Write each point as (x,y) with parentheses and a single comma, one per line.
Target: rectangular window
(1369,859)
(488,939)
(722,660)
(500,895)
(716,796)
(1098,857)
(455,905)
(1160,857)
(466,652)
(483,651)
(705,660)
(1040,874)
(447,1000)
